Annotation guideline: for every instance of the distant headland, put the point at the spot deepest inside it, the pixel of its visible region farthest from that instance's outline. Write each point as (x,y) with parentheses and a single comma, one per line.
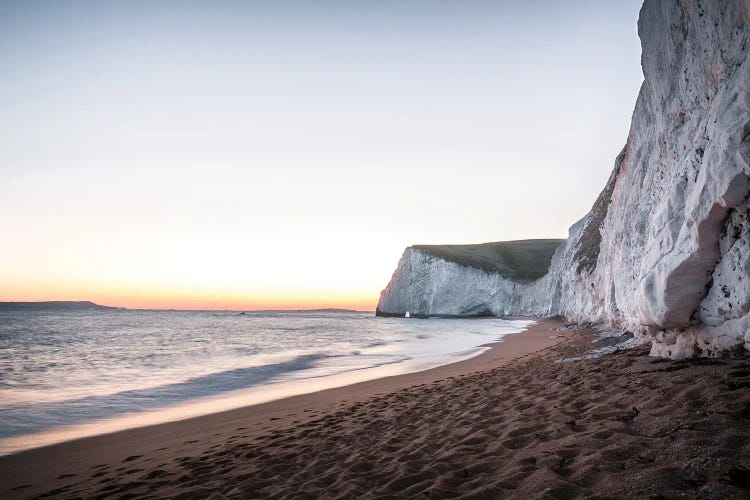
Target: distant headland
(53,305)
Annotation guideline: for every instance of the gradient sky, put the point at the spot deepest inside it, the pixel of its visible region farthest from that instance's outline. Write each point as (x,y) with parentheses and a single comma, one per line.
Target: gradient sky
(283,153)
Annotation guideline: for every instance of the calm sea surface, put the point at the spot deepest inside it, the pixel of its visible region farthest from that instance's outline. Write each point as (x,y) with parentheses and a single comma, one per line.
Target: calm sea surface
(68,374)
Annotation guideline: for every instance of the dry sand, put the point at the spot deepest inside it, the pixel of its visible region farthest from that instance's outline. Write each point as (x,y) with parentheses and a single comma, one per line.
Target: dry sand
(508,423)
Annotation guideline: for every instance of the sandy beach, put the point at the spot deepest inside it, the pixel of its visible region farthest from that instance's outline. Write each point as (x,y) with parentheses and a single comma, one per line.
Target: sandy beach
(508,423)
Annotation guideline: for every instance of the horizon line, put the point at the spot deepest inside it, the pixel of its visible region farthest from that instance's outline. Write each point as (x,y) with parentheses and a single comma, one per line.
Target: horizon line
(313,309)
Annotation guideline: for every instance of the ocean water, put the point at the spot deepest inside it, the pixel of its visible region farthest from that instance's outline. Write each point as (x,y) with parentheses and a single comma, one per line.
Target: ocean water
(68,374)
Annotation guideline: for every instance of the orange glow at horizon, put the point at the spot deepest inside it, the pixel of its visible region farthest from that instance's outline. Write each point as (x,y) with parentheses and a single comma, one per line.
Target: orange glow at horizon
(177,271)
(201,300)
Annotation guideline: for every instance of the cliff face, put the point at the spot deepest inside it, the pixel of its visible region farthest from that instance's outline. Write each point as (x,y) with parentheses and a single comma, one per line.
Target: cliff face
(466,280)
(665,250)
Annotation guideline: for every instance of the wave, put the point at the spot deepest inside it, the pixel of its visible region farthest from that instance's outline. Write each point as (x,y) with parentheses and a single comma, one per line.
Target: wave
(27,418)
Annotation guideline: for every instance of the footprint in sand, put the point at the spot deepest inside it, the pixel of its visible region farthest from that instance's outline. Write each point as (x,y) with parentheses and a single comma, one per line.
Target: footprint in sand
(518,442)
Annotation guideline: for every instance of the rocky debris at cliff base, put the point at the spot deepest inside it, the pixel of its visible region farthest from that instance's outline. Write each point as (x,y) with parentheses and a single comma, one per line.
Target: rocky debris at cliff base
(607,344)
(611,340)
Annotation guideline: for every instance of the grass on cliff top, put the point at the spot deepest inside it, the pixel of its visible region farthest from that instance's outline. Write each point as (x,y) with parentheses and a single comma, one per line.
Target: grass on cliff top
(522,260)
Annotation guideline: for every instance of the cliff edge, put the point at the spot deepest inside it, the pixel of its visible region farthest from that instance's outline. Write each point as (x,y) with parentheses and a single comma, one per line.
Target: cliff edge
(665,250)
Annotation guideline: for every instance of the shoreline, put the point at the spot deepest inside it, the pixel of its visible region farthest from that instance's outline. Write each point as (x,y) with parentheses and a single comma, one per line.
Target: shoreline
(248,396)
(48,467)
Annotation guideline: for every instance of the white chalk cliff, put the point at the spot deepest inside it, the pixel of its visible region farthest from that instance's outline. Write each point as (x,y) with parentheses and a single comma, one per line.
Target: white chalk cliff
(665,250)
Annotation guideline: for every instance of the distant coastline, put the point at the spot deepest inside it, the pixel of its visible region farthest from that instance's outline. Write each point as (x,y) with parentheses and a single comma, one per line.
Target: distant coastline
(53,305)
(78,305)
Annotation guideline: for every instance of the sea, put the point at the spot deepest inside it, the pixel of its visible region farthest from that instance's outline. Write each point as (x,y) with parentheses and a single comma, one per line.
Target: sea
(68,374)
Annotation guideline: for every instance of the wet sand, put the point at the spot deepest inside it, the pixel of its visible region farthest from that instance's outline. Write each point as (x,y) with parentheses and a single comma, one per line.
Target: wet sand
(508,423)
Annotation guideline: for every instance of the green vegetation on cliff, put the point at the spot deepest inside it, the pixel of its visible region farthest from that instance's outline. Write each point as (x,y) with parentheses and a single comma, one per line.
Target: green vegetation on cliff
(521,260)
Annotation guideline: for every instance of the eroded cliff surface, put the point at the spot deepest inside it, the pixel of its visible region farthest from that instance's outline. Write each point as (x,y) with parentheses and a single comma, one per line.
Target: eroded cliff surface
(665,250)
(466,280)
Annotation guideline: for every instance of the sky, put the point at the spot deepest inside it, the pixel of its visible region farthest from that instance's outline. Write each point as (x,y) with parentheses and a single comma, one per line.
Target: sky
(282,154)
